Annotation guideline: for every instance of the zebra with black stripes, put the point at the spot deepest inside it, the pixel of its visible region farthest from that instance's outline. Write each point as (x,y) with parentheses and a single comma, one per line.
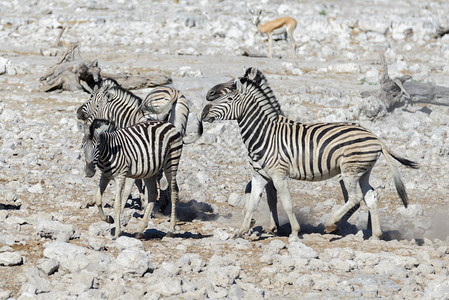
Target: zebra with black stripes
(222,89)
(138,152)
(279,148)
(111,102)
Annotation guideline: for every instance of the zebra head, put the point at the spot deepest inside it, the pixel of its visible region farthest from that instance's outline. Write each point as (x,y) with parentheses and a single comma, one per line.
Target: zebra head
(229,99)
(226,102)
(220,90)
(91,106)
(91,141)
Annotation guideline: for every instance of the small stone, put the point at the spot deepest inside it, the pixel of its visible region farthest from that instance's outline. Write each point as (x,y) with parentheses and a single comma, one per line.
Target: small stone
(235,199)
(49,266)
(134,261)
(125,242)
(221,234)
(55,230)
(10,259)
(96,244)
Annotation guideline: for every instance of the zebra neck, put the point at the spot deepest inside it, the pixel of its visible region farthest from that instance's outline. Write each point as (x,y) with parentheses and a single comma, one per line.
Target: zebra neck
(106,148)
(255,128)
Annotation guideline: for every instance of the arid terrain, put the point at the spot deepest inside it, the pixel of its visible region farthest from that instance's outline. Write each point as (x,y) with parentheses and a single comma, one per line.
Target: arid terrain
(54,247)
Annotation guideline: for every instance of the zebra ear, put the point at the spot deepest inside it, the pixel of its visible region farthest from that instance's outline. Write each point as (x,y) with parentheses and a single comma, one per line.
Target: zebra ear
(238,85)
(99,126)
(252,73)
(108,96)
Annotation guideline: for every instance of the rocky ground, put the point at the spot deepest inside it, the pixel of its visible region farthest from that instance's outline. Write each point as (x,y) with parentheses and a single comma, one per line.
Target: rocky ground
(53,247)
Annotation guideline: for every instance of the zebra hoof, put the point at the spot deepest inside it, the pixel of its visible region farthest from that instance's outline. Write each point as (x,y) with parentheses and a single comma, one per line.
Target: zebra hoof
(330,228)
(240,233)
(252,223)
(109,219)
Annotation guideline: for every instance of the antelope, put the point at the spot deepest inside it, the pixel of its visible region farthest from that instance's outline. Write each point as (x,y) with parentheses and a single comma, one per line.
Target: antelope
(279,26)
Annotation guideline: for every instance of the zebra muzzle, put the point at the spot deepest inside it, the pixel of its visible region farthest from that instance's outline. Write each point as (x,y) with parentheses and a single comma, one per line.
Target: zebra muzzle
(205,112)
(90,169)
(80,114)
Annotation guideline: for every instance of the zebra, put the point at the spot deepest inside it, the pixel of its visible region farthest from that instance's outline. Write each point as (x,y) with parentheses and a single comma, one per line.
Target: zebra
(224,88)
(139,152)
(110,101)
(279,148)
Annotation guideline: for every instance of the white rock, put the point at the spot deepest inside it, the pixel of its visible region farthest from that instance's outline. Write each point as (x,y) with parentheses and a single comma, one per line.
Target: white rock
(300,250)
(344,68)
(96,244)
(10,259)
(36,189)
(72,258)
(221,234)
(134,261)
(55,230)
(49,266)
(3,63)
(125,242)
(222,276)
(168,288)
(39,282)
(235,199)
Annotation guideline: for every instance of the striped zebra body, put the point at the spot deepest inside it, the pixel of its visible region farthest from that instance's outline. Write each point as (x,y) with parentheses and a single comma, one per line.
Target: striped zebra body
(139,152)
(279,148)
(168,104)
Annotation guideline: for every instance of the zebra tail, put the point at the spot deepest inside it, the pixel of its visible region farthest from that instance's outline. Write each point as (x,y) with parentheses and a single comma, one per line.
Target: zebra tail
(180,113)
(397,178)
(195,136)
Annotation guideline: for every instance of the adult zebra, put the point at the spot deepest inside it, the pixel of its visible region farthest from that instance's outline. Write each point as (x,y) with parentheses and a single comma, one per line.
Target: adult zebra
(279,148)
(139,152)
(222,89)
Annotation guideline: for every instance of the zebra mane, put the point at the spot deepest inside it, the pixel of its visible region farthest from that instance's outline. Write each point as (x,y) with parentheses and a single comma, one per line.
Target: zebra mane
(97,123)
(255,77)
(125,96)
(107,83)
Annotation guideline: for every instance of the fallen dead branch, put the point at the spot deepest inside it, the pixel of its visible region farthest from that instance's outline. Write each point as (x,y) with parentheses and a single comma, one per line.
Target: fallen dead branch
(399,91)
(73,73)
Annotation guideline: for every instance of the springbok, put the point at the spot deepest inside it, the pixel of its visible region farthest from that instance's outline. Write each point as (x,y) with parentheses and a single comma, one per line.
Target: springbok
(279,26)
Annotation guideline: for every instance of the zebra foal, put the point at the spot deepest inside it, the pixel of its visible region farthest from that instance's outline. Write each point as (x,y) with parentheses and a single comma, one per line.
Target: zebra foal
(279,148)
(138,152)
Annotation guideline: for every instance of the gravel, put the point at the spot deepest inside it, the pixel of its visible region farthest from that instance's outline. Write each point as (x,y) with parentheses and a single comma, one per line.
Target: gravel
(54,247)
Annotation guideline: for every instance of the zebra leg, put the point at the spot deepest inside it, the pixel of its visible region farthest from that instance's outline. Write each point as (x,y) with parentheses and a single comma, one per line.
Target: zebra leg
(247,198)
(371,199)
(272,204)
(281,185)
(119,182)
(290,35)
(150,199)
(257,185)
(174,191)
(345,196)
(104,181)
(355,195)
(141,189)
(129,182)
